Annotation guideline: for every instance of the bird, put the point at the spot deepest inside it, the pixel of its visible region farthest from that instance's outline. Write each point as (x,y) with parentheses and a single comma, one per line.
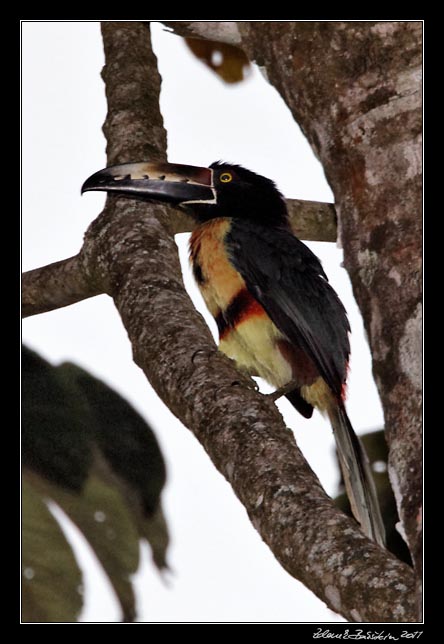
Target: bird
(276,313)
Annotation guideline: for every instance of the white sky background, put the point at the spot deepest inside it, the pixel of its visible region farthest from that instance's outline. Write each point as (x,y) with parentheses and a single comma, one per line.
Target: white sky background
(222,571)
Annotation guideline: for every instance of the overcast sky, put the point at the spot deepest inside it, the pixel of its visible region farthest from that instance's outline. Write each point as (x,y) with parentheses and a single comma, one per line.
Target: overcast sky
(222,570)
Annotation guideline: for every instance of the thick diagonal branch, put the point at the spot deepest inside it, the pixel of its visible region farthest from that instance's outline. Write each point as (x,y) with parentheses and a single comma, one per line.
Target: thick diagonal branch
(131,250)
(355,90)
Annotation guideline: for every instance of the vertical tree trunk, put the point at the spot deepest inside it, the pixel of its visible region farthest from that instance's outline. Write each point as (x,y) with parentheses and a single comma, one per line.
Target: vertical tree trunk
(355,89)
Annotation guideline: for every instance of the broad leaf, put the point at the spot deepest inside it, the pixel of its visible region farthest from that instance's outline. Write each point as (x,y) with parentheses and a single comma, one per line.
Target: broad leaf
(51,578)
(89,451)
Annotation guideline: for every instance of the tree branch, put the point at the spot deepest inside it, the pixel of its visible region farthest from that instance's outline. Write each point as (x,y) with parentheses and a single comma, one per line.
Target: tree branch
(241,430)
(220,31)
(65,282)
(310,220)
(355,90)
(56,285)
(130,250)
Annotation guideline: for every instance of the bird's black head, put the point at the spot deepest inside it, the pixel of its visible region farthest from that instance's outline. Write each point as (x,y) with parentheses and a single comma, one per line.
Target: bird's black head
(222,190)
(244,194)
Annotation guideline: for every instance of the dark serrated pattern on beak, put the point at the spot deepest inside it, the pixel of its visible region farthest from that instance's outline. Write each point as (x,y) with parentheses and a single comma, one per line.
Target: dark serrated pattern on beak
(166,182)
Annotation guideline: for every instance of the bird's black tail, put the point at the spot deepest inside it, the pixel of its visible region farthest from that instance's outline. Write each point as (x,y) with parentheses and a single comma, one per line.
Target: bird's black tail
(357,475)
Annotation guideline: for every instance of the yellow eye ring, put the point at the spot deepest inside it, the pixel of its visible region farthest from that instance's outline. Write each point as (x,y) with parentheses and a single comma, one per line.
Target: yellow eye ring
(226,177)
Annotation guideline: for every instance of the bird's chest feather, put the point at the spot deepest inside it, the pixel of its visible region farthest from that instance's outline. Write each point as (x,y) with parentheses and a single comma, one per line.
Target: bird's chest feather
(246,332)
(218,280)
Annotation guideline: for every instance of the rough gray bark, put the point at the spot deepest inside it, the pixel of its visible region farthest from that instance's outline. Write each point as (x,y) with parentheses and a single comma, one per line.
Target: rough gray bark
(56,285)
(355,90)
(129,250)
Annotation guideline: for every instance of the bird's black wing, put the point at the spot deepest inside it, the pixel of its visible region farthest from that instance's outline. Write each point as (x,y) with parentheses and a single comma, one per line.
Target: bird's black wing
(289,282)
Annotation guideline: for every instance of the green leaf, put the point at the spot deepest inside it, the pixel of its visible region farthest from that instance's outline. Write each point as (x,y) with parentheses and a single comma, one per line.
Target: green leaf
(103,516)
(131,454)
(87,449)
(51,578)
(123,436)
(56,425)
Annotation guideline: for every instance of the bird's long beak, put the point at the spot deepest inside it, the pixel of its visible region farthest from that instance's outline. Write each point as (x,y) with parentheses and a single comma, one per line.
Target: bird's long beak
(167,182)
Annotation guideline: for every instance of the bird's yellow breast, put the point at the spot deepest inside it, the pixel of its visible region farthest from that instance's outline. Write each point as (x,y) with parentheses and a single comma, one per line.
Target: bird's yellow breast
(220,281)
(251,337)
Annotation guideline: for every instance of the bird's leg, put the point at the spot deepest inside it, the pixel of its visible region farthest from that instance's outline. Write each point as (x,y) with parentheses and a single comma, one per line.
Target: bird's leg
(282,391)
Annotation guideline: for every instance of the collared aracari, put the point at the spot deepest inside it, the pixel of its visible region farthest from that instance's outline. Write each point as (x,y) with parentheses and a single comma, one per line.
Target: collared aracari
(277,315)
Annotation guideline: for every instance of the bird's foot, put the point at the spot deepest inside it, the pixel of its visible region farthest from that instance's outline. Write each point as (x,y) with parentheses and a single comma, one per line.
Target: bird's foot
(282,391)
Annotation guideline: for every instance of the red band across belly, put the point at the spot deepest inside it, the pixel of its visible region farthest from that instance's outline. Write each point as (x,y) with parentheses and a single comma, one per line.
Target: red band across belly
(242,307)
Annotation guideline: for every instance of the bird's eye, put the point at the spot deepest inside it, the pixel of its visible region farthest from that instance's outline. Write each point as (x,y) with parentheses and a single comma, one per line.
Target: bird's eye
(226,177)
